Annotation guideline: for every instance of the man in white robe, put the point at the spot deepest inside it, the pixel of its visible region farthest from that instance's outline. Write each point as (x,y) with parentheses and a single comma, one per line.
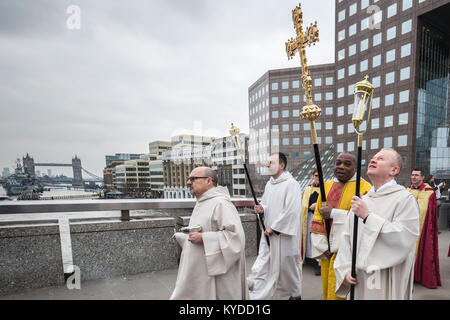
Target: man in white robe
(277,271)
(212,263)
(387,232)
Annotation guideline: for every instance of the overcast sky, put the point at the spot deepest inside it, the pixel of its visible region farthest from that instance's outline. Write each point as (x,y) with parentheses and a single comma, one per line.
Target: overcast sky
(137,71)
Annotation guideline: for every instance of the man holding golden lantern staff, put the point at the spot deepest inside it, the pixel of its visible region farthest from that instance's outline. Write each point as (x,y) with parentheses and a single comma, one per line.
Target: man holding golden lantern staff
(385,247)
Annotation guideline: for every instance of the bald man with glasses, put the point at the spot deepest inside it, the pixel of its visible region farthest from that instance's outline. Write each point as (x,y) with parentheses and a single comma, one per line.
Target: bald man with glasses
(212,263)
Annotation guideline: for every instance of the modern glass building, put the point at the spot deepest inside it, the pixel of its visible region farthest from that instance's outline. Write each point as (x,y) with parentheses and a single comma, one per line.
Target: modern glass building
(403,46)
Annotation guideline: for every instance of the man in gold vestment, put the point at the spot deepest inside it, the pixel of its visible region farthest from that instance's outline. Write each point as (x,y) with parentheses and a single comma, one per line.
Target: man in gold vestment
(339,193)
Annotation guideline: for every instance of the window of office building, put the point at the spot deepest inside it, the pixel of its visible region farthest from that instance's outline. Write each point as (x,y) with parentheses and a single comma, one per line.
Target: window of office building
(306,126)
(275,142)
(403,96)
(328,125)
(274,85)
(351,89)
(295,98)
(405,73)
(406,4)
(274,114)
(374,143)
(285,127)
(350,146)
(387,143)
(306,140)
(392,10)
(376,81)
(295,84)
(375,123)
(285,85)
(341,35)
(329,96)
(274,100)
(402,141)
(340,92)
(388,121)
(406,26)
(340,129)
(340,111)
(351,50)
(285,113)
(295,127)
(285,141)
(341,15)
(351,69)
(329,81)
(318,126)
(296,112)
(376,40)
(340,147)
(364,4)
(350,108)
(317,82)
(328,140)
(317,96)
(329,111)
(274,128)
(296,154)
(341,54)
(306,154)
(389,99)
(364,45)
(376,103)
(285,99)
(352,30)
(390,56)
(364,23)
(390,78)
(352,9)
(350,128)
(363,65)
(341,73)
(295,141)
(405,50)
(403,118)
(391,33)
(376,61)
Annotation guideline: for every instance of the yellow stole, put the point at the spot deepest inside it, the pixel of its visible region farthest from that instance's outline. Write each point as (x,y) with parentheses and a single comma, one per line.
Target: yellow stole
(422,197)
(309,190)
(339,196)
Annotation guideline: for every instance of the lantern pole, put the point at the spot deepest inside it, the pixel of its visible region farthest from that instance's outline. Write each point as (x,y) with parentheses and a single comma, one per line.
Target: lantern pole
(363,93)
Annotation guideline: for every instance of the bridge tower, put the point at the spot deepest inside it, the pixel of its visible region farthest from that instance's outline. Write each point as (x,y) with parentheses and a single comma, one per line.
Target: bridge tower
(77,177)
(28,165)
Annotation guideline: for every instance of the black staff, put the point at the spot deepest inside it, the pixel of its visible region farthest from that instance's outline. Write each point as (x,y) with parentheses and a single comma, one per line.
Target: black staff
(363,101)
(234,131)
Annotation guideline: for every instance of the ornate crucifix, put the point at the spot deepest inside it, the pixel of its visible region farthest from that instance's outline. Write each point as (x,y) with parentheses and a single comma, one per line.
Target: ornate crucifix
(309,112)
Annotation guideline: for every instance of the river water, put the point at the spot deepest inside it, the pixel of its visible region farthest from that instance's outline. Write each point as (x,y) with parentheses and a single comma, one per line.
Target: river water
(95,215)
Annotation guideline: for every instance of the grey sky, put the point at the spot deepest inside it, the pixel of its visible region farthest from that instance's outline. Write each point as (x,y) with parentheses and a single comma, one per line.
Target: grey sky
(137,71)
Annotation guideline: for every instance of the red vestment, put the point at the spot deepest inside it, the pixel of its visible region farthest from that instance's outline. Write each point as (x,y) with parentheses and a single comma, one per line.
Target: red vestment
(426,267)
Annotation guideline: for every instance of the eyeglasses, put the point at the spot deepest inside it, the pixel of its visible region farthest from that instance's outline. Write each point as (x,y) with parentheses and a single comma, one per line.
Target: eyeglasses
(195,178)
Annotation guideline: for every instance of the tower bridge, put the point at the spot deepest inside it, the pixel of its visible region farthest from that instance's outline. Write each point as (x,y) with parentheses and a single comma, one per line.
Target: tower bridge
(29,167)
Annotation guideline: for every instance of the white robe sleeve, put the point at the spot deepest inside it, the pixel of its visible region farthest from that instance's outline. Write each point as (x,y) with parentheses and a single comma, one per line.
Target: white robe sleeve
(223,247)
(337,228)
(288,220)
(385,244)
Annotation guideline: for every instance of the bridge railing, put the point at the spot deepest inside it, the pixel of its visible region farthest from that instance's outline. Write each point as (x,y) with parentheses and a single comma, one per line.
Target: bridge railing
(122,205)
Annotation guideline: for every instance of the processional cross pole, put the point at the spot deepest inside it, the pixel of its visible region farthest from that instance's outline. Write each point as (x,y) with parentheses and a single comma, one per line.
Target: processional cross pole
(310,112)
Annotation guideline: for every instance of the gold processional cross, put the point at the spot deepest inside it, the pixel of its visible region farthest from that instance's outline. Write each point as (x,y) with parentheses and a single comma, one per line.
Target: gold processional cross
(309,112)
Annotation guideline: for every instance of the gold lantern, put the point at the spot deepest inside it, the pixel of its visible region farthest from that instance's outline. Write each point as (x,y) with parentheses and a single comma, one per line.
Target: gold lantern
(363,104)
